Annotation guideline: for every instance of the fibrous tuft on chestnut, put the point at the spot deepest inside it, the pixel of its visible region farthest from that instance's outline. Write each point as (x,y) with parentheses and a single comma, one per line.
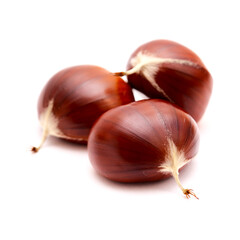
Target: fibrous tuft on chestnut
(75,97)
(147,140)
(168,70)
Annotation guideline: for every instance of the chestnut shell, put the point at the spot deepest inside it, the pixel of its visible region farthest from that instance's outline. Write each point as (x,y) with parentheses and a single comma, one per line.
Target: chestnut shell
(130,143)
(81,94)
(187,86)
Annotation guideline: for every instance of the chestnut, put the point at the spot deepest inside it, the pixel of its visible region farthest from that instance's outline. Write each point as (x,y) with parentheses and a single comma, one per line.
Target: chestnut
(168,70)
(75,97)
(143,141)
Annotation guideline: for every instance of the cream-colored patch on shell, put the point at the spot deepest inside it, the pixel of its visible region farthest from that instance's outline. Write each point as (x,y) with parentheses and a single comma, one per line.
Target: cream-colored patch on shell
(174,160)
(49,122)
(148,65)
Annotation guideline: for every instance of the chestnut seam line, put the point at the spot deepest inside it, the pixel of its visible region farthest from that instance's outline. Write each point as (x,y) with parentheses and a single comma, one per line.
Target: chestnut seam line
(138,68)
(194,64)
(143,59)
(159,89)
(156,60)
(137,137)
(184,72)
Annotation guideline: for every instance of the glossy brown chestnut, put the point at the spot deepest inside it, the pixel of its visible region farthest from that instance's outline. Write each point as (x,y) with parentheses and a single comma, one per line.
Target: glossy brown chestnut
(148,140)
(167,70)
(75,97)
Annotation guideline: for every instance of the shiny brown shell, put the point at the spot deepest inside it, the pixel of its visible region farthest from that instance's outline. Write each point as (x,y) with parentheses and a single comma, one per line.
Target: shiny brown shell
(142,141)
(74,98)
(179,76)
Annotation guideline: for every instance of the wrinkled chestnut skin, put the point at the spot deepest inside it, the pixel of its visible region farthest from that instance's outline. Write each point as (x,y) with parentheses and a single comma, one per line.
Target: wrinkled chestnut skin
(81,94)
(130,142)
(188,87)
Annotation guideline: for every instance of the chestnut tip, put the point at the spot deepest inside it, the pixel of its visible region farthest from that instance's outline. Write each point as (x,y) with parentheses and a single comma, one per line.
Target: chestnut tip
(34,149)
(189,192)
(74,98)
(119,74)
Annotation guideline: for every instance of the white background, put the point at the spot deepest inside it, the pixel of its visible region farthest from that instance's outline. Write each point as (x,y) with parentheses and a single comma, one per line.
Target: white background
(56,193)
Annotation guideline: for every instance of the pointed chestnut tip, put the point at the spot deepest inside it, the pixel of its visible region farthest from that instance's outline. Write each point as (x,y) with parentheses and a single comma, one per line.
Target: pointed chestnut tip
(189,192)
(34,149)
(119,74)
